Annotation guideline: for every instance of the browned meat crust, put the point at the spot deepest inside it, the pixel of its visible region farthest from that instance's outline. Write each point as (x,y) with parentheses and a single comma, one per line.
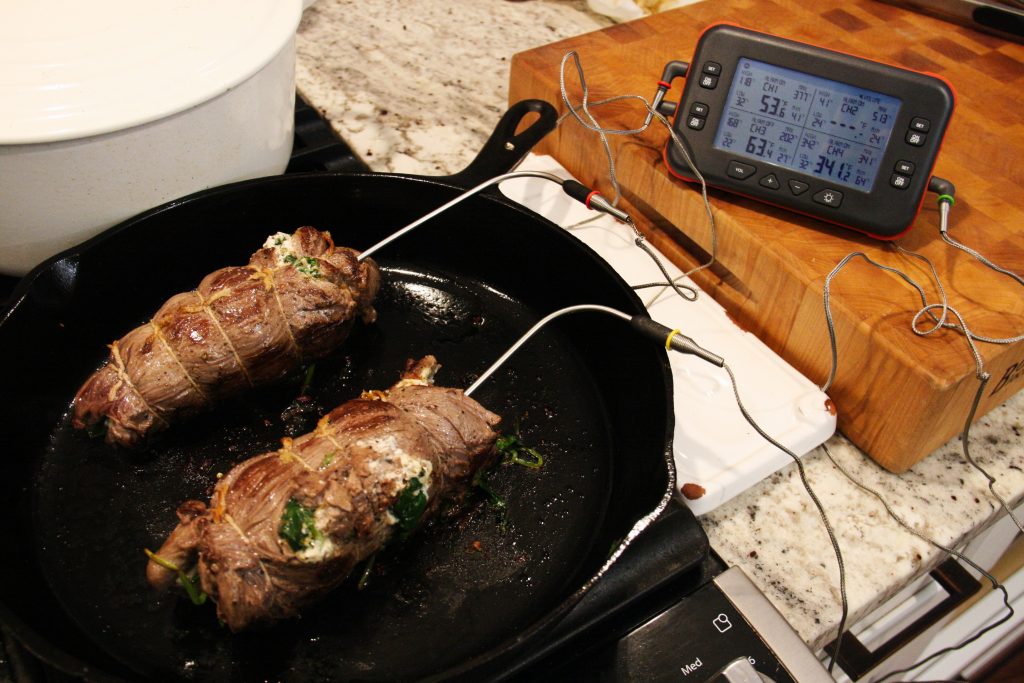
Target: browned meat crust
(348,475)
(241,327)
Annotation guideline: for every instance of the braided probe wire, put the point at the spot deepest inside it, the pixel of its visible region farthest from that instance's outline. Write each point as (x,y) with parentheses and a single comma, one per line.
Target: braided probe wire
(927,309)
(996,585)
(603,132)
(827,297)
(593,125)
(939,323)
(743,410)
(496,365)
(844,600)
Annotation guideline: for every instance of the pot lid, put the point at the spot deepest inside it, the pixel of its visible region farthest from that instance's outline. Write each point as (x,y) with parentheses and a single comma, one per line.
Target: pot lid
(70,69)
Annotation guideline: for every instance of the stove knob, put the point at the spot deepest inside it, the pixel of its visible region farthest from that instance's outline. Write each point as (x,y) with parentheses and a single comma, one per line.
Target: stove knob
(739,671)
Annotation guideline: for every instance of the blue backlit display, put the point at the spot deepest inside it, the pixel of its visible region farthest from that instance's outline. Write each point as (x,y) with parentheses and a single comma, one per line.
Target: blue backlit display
(824,128)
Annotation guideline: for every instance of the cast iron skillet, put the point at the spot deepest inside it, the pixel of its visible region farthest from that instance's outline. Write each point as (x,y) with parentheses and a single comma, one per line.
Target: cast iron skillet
(463,595)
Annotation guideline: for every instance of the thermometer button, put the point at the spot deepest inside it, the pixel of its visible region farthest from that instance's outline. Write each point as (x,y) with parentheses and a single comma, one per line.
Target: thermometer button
(708,81)
(829,197)
(713,68)
(739,170)
(900,182)
(915,138)
(920,124)
(699,109)
(798,187)
(905,167)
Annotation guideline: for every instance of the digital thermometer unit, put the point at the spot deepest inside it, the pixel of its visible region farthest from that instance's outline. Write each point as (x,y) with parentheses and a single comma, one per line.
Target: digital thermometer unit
(844,139)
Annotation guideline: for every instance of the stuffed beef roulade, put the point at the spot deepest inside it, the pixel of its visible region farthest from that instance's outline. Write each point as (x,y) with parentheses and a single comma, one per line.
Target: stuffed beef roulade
(284,528)
(295,301)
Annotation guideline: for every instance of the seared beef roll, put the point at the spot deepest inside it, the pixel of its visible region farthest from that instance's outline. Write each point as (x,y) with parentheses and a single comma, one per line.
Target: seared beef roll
(284,528)
(295,301)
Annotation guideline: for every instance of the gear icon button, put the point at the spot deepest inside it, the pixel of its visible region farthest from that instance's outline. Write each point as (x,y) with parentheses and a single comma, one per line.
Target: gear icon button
(829,197)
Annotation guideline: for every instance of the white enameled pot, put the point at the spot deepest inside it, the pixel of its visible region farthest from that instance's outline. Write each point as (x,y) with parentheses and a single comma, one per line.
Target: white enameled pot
(111,107)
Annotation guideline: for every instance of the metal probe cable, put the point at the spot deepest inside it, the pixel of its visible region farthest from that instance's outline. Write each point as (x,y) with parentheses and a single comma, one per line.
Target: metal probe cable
(844,601)
(576,190)
(939,323)
(679,342)
(675,69)
(672,338)
(996,585)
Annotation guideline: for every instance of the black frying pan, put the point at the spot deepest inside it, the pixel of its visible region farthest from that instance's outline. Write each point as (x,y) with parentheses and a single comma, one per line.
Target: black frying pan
(466,591)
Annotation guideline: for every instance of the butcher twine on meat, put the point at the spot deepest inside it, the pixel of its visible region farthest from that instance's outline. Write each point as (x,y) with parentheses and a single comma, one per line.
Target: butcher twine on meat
(284,528)
(243,326)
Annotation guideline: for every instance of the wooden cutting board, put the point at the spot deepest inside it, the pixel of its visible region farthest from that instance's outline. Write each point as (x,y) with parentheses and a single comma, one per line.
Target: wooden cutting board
(899,395)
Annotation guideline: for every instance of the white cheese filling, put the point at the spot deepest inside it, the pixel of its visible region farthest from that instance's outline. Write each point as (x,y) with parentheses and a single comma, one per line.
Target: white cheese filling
(281,243)
(285,248)
(322,546)
(395,469)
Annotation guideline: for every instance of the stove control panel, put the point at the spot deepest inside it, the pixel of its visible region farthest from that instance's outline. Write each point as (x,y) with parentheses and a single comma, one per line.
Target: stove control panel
(724,632)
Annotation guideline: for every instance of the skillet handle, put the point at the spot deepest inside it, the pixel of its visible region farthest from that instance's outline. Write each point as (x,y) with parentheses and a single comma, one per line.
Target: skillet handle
(504,149)
(673,545)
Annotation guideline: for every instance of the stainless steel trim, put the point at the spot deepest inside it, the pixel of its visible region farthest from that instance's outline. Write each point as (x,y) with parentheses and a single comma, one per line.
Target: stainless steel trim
(740,671)
(996,18)
(776,632)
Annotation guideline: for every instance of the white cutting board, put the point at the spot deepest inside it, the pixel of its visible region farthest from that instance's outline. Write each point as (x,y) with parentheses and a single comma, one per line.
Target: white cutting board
(714,446)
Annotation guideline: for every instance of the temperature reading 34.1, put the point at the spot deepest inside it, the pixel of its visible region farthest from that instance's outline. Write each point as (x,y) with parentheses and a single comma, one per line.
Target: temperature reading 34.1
(814,125)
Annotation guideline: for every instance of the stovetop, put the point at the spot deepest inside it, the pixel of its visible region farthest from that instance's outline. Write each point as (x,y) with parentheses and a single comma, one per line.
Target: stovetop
(672,572)
(317,147)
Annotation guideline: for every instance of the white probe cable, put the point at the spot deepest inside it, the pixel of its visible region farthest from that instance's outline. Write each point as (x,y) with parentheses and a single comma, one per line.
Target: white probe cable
(591,199)
(683,344)
(673,339)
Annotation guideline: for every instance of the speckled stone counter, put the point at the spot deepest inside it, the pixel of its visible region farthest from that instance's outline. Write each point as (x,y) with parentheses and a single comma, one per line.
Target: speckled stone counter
(415,87)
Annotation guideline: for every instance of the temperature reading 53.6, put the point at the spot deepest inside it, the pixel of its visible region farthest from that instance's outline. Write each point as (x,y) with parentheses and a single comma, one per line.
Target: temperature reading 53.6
(773,106)
(808,123)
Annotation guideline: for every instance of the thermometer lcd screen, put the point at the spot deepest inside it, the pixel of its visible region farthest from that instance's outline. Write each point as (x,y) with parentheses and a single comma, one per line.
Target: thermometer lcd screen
(831,130)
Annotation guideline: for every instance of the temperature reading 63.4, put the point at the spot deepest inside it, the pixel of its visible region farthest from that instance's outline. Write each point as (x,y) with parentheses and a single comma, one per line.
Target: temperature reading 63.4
(807,123)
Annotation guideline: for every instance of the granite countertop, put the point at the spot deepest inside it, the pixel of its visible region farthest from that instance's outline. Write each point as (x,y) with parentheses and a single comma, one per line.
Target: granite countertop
(417,87)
